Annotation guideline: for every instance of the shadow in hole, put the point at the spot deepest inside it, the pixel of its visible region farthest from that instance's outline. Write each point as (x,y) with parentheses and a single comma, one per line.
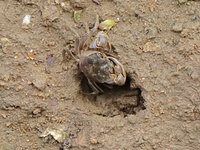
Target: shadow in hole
(123,98)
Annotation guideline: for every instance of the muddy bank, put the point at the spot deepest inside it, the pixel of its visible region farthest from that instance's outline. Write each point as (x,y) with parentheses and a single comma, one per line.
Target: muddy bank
(157,42)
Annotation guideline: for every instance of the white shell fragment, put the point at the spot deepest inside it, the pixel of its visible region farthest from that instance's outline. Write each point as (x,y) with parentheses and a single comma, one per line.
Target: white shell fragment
(59,134)
(26,20)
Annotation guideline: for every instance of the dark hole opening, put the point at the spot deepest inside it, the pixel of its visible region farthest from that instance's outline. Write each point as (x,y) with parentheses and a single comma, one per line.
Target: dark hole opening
(125,99)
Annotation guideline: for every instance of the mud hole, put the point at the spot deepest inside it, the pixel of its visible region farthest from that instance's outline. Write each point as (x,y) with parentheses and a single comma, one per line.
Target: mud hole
(159,106)
(115,100)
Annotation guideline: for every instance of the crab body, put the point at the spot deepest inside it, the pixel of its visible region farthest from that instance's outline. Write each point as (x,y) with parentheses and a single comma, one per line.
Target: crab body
(97,66)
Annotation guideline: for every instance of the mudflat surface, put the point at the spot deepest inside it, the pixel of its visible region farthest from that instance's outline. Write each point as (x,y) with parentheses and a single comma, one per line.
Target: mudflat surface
(158,43)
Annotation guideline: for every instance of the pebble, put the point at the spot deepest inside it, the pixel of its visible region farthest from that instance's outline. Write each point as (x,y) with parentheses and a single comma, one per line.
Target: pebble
(19,88)
(195,75)
(66,6)
(4,116)
(78,3)
(37,111)
(185,33)
(65,68)
(8,124)
(26,20)
(81,139)
(40,83)
(132,119)
(151,32)
(177,27)
(5,77)
(93,141)
(182,1)
(192,136)
(151,47)
(3,84)
(50,13)
(5,44)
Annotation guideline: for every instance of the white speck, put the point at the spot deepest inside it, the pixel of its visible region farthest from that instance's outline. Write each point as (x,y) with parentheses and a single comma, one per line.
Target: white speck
(63,4)
(27,19)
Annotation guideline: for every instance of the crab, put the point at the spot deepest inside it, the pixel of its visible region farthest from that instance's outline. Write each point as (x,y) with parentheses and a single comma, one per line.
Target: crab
(94,61)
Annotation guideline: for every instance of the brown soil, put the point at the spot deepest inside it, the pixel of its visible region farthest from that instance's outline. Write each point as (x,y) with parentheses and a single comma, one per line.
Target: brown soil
(158,107)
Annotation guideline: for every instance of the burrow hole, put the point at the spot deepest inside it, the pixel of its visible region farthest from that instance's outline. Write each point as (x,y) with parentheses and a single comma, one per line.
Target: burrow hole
(116,100)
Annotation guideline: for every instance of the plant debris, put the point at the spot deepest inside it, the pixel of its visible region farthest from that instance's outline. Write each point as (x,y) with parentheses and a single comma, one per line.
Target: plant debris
(106,25)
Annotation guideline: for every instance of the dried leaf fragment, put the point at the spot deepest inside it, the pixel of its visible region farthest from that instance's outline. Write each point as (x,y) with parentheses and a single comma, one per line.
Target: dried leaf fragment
(106,25)
(77,15)
(31,56)
(152,7)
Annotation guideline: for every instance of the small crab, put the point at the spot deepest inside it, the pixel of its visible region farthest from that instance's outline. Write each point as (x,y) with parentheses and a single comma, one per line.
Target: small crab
(96,65)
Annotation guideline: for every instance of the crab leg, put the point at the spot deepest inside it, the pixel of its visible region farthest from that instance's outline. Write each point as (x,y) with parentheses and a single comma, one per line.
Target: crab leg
(70,53)
(73,30)
(95,88)
(87,28)
(86,43)
(96,24)
(77,40)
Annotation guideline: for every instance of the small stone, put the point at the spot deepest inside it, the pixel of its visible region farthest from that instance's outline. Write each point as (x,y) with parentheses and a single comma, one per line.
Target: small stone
(26,20)
(132,119)
(37,111)
(78,3)
(66,6)
(96,2)
(189,70)
(151,32)
(5,77)
(151,47)
(185,33)
(177,27)
(182,1)
(195,75)
(3,84)
(4,116)
(93,141)
(29,82)
(8,124)
(50,13)
(19,88)
(6,44)
(64,68)
(40,83)
(33,125)
(192,136)
(81,139)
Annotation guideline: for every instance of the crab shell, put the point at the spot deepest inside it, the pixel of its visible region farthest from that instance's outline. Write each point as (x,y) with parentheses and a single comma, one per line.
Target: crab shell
(100,68)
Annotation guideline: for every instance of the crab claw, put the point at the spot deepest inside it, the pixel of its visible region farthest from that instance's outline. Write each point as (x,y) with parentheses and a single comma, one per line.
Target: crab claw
(120,79)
